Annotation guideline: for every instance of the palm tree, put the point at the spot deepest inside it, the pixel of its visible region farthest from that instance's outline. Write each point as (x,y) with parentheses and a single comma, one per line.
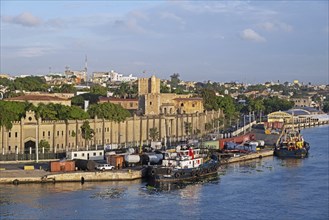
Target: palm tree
(86,132)
(154,134)
(188,128)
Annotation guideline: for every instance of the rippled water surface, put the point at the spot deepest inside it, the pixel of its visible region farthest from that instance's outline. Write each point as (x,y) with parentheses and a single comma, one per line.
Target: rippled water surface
(269,188)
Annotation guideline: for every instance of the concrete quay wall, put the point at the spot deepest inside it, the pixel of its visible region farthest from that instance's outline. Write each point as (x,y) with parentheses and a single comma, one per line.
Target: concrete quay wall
(95,176)
(256,155)
(35,176)
(40,176)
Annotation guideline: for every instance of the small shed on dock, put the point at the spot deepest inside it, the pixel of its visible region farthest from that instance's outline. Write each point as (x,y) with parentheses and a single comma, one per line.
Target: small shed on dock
(115,160)
(62,166)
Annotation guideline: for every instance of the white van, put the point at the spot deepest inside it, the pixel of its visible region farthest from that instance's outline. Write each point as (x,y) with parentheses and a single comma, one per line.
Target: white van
(104,167)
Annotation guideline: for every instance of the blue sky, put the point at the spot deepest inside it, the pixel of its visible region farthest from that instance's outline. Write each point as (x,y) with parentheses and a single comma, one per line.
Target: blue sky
(245,41)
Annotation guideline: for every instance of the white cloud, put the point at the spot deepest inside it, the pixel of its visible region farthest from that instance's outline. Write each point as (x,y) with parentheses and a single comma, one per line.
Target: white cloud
(251,35)
(34,51)
(25,19)
(132,22)
(173,17)
(56,23)
(276,26)
(236,7)
(268,26)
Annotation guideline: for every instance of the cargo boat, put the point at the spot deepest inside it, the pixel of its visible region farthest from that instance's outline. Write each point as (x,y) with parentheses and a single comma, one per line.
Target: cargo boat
(292,145)
(184,165)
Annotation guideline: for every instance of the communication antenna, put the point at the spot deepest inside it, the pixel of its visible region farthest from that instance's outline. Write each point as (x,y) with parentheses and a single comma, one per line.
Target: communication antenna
(86,68)
(86,65)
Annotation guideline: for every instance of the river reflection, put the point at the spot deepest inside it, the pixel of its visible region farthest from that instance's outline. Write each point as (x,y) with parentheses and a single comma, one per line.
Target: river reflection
(252,166)
(267,188)
(291,162)
(186,188)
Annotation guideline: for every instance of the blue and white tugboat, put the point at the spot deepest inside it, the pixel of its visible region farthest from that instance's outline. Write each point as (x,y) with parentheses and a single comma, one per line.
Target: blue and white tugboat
(292,145)
(181,165)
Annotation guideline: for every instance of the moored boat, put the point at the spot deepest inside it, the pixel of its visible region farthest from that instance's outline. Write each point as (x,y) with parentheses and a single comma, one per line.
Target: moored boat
(183,165)
(292,145)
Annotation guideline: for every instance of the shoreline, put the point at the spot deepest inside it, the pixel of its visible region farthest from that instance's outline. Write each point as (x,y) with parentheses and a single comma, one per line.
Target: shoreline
(40,176)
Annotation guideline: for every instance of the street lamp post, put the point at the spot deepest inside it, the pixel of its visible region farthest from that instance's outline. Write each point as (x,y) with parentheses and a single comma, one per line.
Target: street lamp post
(244,124)
(37,144)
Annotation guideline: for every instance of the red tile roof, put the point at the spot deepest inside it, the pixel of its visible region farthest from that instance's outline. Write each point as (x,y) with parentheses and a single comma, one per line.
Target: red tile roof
(189,99)
(105,99)
(36,98)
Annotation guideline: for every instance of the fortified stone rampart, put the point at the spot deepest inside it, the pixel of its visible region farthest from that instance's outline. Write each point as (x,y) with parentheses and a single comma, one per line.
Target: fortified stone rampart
(134,131)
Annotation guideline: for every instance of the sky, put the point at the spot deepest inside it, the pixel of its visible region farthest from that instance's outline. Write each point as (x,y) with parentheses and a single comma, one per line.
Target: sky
(220,41)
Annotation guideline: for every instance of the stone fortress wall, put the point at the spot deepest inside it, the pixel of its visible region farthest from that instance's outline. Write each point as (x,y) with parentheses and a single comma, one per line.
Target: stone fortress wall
(134,131)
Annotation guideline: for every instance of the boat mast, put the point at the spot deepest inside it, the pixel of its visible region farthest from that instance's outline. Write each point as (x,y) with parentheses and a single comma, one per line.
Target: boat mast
(293,121)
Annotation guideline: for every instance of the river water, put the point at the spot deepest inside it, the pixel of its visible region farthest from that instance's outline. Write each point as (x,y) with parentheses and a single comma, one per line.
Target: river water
(268,188)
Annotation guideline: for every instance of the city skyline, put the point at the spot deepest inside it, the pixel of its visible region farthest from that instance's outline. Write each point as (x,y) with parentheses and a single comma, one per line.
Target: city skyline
(252,42)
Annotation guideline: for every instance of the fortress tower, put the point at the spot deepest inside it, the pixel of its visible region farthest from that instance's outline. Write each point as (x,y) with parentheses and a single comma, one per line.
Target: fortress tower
(152,102)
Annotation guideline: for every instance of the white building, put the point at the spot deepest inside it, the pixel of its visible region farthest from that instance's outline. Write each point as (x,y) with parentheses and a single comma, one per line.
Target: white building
(85,155)
(103,77)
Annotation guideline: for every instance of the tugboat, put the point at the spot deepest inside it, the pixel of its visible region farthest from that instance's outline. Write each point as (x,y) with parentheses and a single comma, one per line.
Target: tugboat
(292,145)
(181,165)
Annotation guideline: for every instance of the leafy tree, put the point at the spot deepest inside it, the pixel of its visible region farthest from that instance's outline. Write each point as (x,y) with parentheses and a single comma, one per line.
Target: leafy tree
(179,90)
(256,105)
(6,117)
(12,111)
(98,90)
(209,99)
(188,128)
(86,132)
(227,104)
(273,104)
(46,112)
(60,112)
(125,90)
(209,126)
(31,83)
(7,83)
(174,80)
(78,101)
(67,88)
(326,106)
(108,111)
(154,134)
(77,113)
(44,144)
(164,88)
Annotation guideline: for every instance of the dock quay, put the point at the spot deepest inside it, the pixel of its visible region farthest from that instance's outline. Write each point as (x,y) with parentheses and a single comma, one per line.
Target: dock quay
(17,176)
(41,176)
(256,155)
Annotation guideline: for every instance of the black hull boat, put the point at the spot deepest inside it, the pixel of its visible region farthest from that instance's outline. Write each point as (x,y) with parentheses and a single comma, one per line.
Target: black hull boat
(292,145)
(285,152)
(184,169)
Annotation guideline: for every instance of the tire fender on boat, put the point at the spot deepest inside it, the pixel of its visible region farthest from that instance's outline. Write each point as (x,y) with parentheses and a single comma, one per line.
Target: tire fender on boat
(177,175)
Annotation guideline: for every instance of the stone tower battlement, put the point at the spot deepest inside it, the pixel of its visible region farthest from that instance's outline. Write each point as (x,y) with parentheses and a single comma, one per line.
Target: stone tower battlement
(148,86)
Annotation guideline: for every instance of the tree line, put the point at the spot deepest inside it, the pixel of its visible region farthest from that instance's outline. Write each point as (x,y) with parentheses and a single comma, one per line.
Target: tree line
(14,111)
(232,108)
